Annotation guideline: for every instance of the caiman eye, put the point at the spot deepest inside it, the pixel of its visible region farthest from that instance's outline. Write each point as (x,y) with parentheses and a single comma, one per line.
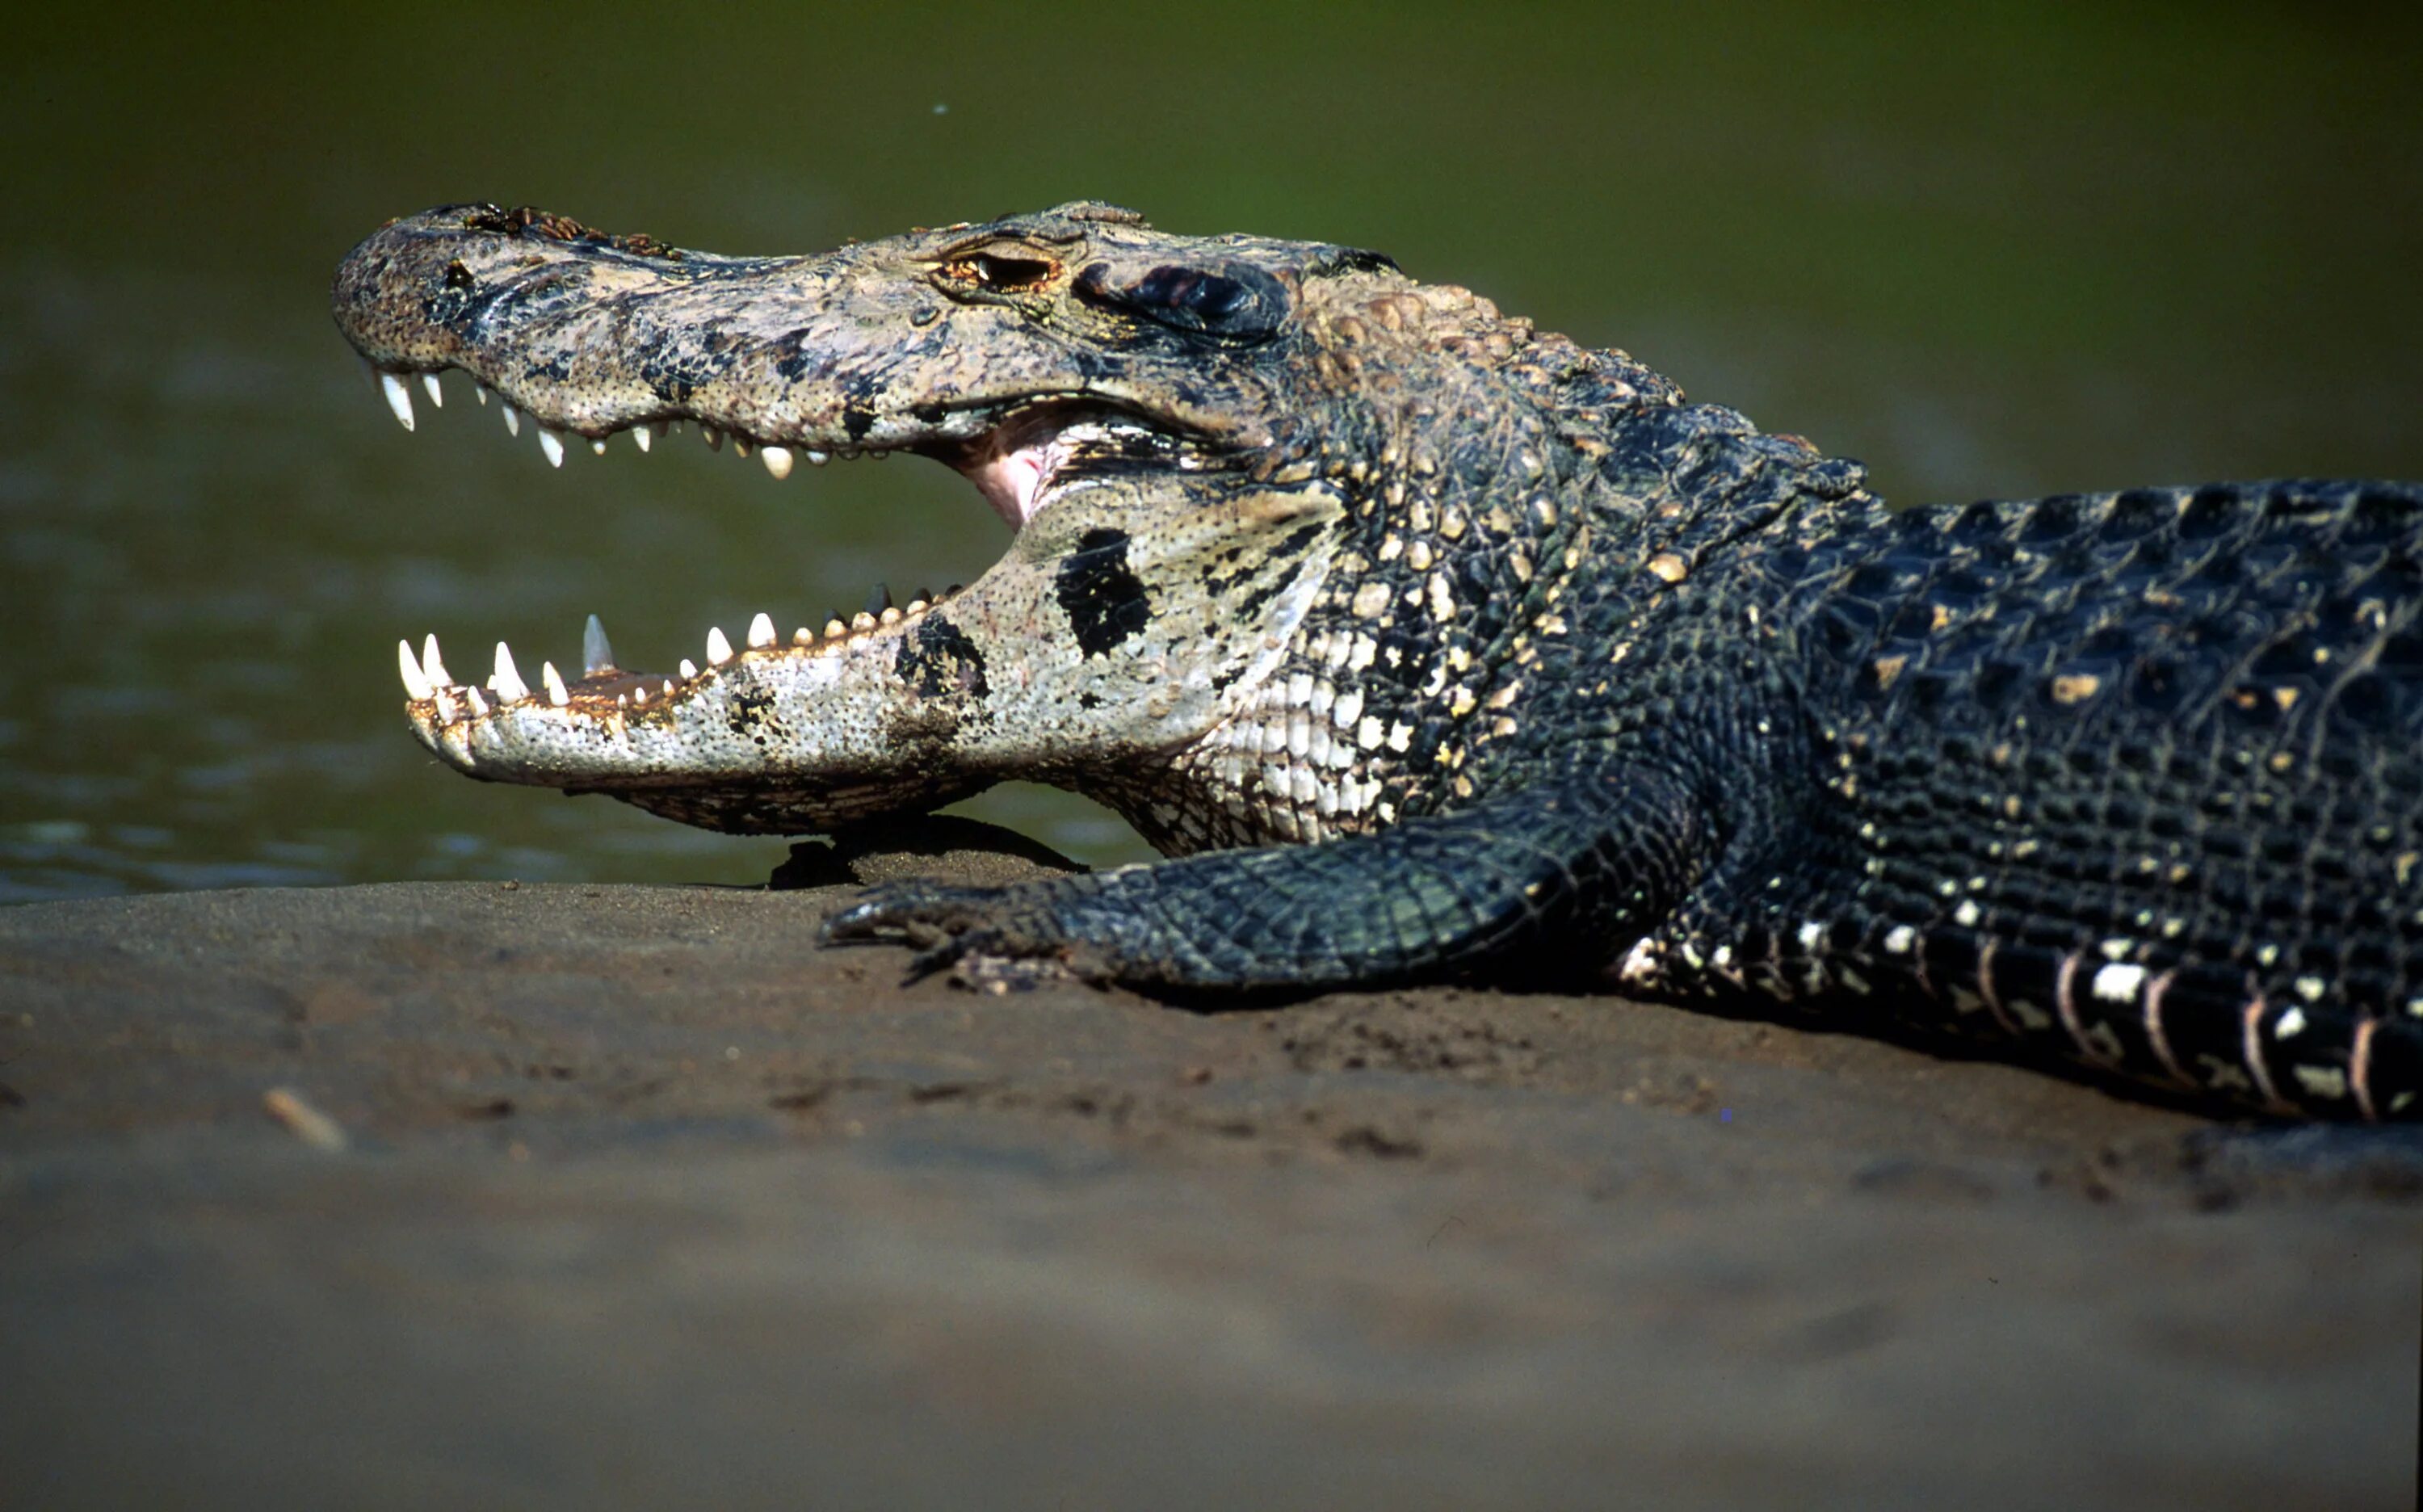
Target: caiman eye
(1000,273)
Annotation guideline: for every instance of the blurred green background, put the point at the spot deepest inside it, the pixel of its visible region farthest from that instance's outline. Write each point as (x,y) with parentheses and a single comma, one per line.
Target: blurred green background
(2005,250)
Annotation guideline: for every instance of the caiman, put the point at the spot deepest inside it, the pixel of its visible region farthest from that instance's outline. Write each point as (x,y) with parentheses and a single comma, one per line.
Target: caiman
(1432,646)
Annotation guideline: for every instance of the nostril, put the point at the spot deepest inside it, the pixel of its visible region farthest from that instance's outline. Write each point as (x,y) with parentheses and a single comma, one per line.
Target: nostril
(457,275)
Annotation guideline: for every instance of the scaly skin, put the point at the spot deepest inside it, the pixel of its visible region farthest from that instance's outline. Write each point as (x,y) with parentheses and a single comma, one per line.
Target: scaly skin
(1564,679)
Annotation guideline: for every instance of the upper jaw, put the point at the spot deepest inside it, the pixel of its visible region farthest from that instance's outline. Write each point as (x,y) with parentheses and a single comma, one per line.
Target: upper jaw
(852,351)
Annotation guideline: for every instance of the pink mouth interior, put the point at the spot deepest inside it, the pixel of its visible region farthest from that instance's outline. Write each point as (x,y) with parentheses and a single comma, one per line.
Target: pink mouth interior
(1011,481)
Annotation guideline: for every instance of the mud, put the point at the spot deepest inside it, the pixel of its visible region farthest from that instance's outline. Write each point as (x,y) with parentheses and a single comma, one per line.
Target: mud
(630,1196)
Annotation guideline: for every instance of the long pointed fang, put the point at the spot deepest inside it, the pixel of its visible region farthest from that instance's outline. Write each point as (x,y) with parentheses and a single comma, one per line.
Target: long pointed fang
(438,676)
(552,445)
(642,435)
(777,460)
(508,680)
(596,655)
(479,705)
(718,650)
(437,394)
(416,682)
(557,694)
(399,398)
(761,631)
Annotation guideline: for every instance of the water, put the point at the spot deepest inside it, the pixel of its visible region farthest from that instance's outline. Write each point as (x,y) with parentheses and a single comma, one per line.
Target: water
(2002,254)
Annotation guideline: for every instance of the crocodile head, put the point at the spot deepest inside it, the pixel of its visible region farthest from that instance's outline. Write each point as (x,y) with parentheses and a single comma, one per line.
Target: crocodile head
(1187,435)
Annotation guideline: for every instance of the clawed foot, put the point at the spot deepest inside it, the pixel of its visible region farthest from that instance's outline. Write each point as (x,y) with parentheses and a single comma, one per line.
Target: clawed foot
(967,927)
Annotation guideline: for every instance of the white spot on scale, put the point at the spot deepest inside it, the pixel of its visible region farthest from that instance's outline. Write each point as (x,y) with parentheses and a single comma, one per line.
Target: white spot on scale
(2291,1024)
(2311,987)
(1900,938)
(2118,984)
(1812,934)
(2322,1081)
(2117,948)
(1641,963)
(1967,913)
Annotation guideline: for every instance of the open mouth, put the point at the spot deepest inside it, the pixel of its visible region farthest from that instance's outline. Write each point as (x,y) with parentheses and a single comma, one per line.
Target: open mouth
(1018,456)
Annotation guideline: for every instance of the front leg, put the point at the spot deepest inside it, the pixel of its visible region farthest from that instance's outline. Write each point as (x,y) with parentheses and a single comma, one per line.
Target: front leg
(1549,882)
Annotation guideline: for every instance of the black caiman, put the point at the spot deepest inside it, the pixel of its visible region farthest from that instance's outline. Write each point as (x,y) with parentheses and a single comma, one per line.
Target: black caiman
(1429,645)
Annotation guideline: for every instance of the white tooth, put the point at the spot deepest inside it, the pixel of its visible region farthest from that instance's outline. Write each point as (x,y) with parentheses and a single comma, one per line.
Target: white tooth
(598,446)
(761,631)
(557,694)
(513,420)
(688,669)
(718,650)
(818,458)
(552,445)
(803,636)
(740,444)
(479,705)
(596,656)
(639,696)
(918,606)
(416,682)
(713,437)
(669,687)
(437,394)
(643,436)
(862,621)
(889,616)
(508,682)
(481,389)
(777,460)
(445,705)
(438,676)
(835,628)
(399,398)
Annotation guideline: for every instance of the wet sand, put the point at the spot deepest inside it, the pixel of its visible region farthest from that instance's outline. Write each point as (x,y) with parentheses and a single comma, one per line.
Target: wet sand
(494,1194)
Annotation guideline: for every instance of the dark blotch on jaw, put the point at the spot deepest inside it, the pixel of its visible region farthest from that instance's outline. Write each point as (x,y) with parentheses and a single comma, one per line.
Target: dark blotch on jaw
(1102,599)
(937,660)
